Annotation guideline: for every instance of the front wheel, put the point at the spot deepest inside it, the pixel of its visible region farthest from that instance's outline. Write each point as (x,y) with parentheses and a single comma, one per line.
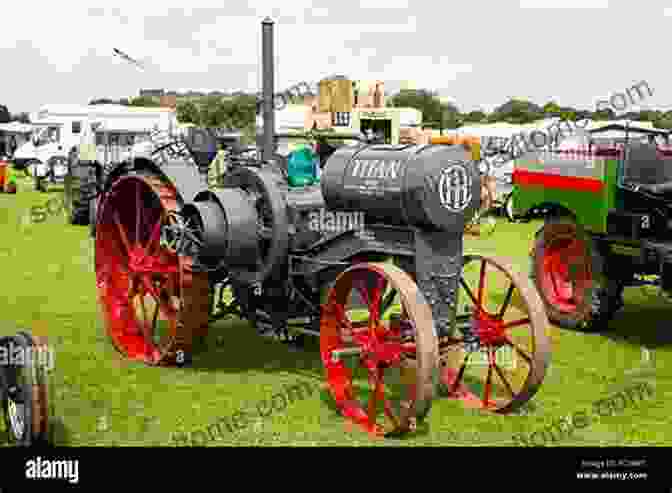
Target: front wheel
(508,207)
(569,273)
(396,355)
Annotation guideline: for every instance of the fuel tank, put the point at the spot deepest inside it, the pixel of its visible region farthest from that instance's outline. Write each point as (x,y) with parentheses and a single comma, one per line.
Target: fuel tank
(434,187)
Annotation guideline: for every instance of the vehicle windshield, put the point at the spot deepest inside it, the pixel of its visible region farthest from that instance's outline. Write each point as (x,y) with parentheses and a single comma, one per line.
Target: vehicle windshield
(46,135)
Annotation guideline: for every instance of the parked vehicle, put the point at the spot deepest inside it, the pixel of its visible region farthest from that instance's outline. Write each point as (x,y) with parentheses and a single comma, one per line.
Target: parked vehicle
(386,296)
(607,224)
(58,128)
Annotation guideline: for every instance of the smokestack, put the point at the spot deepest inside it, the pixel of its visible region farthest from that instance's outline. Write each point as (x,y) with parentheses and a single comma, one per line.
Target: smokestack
(267,71)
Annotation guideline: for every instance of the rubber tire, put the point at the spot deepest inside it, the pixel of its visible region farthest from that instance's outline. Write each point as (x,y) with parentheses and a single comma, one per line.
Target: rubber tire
(27,439)
(79,212)
(92,212)
(508,207)
(605,294)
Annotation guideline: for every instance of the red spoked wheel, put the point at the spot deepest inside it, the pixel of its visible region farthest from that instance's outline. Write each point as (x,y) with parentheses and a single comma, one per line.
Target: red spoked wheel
(390,345)
(497,357)
(153,303)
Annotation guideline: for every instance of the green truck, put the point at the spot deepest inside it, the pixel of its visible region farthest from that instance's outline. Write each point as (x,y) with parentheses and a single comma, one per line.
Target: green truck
(606,200)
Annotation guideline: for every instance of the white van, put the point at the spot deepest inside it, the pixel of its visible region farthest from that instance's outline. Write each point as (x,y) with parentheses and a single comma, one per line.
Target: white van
(58,128)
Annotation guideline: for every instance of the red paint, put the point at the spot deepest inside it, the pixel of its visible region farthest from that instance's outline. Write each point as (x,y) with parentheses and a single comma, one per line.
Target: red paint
(522,177)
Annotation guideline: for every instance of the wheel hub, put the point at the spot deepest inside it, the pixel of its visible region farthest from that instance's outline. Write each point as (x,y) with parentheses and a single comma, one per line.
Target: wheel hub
(489,330)
(140,262)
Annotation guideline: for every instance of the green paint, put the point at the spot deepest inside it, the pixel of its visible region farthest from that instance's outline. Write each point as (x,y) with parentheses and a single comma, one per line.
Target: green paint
(589,208)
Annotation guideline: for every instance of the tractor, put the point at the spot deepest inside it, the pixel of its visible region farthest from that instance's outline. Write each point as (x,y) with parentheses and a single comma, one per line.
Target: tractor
(25,397)
(393,299)
(607,197)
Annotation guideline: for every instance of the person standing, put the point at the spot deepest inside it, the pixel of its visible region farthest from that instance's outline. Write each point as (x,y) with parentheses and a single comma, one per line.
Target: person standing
(12,146)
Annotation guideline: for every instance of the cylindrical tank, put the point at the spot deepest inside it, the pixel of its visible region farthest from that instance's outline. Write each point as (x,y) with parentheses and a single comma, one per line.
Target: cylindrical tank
(430,186)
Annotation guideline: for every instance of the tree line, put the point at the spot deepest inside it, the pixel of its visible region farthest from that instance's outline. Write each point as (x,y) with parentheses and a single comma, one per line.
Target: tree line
(239,111)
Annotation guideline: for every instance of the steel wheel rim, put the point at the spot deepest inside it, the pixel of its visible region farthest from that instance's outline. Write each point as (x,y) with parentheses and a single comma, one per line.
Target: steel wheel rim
(410,365)
(153,303)
(562,279)
(474,381)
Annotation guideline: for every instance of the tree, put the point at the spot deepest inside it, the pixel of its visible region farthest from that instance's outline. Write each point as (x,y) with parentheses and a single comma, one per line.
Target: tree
(518,111)
(551,109)
(476,116)
(146,101)
(102,101)
(427,102)
(5,116)
(607,114)
(187,112)
(22,117)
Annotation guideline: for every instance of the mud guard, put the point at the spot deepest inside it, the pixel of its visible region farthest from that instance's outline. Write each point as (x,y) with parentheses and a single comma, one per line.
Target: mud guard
(184,176)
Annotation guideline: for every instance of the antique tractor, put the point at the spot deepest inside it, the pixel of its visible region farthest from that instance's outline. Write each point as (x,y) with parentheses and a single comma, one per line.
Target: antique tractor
(24,390)
(608,201)
(369,259)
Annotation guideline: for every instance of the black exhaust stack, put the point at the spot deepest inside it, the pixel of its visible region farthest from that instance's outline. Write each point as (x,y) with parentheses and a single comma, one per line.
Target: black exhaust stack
(268,72)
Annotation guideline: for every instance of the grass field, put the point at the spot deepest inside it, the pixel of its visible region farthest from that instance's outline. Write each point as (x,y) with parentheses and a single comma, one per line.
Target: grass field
(48,287)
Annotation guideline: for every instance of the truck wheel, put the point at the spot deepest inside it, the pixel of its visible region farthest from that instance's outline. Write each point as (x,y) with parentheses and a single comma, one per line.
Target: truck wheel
(569,273)
(93,208)
(508,208)
(79,202)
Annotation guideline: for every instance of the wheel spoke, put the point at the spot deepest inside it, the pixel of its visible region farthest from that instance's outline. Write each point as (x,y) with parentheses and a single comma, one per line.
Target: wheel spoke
(154,238)
(507,301)
(516,323)
(469,293)
(122,233)
(375,298)
(481,283)
(522,353)
(460,374)
(488,381)
(138,213)
(506,383)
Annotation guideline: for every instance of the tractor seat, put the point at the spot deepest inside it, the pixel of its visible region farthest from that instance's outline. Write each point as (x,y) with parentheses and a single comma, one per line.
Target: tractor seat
(644,170)
(656,188)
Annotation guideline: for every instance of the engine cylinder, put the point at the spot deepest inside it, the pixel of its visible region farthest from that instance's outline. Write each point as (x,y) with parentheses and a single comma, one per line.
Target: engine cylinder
(432,186)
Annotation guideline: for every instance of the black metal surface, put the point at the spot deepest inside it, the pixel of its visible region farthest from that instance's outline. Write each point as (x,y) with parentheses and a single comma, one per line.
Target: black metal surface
(253,212)
(404,184)
(187,179)
(438,264)
(268,77)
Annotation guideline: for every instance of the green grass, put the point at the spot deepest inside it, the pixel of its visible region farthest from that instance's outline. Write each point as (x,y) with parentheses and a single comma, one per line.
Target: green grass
(48,287)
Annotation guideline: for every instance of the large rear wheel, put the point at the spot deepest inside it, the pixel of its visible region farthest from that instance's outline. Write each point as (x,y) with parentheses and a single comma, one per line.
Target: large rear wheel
(154,304)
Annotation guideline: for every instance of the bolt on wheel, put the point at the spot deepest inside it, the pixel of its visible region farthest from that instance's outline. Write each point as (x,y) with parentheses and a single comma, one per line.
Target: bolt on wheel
(380,360)
(497,357)
(154,304)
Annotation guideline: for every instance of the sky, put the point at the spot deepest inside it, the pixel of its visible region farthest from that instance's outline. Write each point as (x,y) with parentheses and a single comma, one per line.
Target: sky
(477,54)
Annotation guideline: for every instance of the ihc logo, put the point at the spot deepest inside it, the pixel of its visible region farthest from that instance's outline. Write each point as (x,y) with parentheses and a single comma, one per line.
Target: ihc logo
(455,188)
